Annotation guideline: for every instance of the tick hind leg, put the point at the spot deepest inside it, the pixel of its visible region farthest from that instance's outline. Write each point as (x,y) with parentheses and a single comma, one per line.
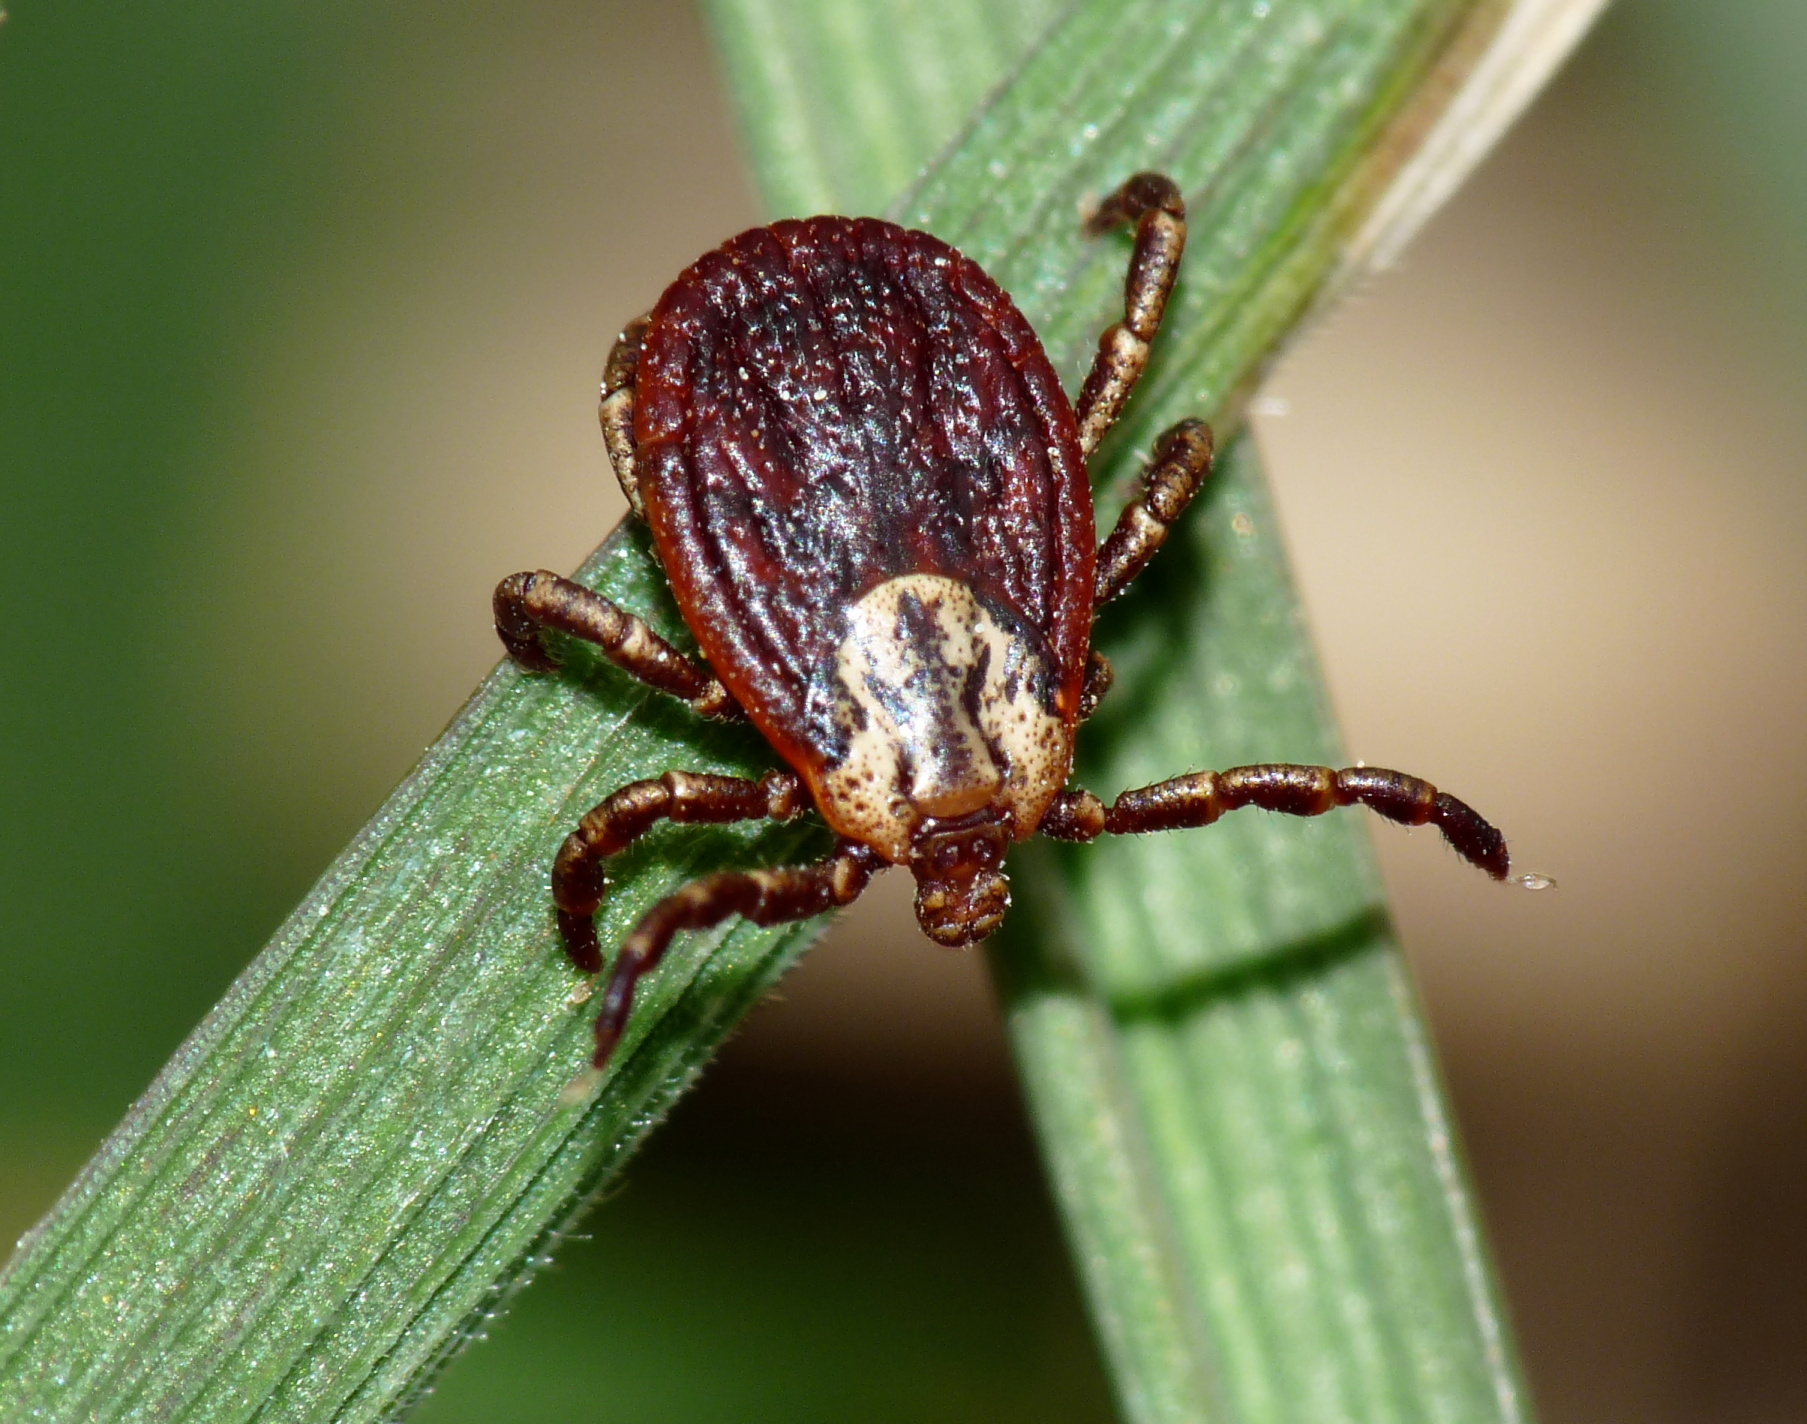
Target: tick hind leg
(617,409)
(766,897)
(1153,203)
(1199,799)
(620,819)
(528,604)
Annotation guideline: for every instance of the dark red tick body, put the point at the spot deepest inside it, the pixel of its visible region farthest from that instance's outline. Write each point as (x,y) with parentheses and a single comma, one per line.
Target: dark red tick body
(870,495)
(866,486)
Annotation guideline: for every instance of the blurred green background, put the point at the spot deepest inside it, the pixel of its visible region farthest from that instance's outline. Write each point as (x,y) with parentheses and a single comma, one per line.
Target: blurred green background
(301,313)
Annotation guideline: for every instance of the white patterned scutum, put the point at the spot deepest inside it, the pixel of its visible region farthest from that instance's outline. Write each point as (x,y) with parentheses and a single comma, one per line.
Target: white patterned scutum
(938,701)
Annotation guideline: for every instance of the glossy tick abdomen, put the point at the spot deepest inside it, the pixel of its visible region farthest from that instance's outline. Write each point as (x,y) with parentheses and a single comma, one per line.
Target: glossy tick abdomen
(870,496)
(823,407)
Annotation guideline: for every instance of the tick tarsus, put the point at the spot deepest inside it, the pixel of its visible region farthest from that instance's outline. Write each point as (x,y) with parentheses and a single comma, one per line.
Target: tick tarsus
(1137,196)
(1178,469)
(1186,802)
(957,859)
(527,604)
(1153,203)
(617,408)
(766,897)
(623,816)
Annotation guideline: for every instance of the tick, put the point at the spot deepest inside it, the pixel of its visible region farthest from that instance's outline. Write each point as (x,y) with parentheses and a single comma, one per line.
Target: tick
(870,495)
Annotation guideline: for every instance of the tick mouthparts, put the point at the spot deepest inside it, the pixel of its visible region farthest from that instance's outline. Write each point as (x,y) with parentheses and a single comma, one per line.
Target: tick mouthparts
(958,913)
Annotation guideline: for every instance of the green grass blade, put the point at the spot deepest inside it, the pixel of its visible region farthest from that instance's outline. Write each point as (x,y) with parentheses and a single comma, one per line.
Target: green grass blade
(1229,1075)
(842,105)
(365,1146)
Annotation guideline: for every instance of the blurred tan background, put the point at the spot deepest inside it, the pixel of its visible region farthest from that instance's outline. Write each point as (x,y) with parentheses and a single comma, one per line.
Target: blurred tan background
(303,315)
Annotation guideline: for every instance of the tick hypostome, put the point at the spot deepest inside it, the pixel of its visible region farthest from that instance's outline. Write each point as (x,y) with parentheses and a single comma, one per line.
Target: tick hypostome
(870,495)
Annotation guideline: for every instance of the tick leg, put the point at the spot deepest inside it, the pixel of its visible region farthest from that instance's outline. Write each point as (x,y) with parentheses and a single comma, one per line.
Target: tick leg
(526,604)
(618,408)
(766,897)
(1182,460)
(688,798)
(1199,799)
(1153,203)
(1099,675)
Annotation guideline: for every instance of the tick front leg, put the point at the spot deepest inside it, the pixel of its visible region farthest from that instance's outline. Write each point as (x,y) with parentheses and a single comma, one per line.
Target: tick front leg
(618,408)
(1182,460)
(689,798)
(1153,203)
(766,897)
(526,604)
(1199,799)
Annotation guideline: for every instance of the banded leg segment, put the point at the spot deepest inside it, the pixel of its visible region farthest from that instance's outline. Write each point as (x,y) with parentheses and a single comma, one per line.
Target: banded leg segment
(1199,799)
(1182,460)
(1153,203)
(527,603)
(688,798)
(617,410)
(766,897)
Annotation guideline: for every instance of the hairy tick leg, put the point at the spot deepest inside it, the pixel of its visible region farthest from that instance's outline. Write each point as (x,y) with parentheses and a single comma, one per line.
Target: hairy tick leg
(1181,462)
(527,604)
(766,897)
(1153,203)
(1200,798)
(1099,675)
(617,410)
(621,818)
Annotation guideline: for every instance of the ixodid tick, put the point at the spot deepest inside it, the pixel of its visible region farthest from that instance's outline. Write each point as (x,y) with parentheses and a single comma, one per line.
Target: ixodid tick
(869,493)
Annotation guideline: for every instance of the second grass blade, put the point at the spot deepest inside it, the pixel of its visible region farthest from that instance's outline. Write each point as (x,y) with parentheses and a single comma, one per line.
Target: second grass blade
(1228,1071)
